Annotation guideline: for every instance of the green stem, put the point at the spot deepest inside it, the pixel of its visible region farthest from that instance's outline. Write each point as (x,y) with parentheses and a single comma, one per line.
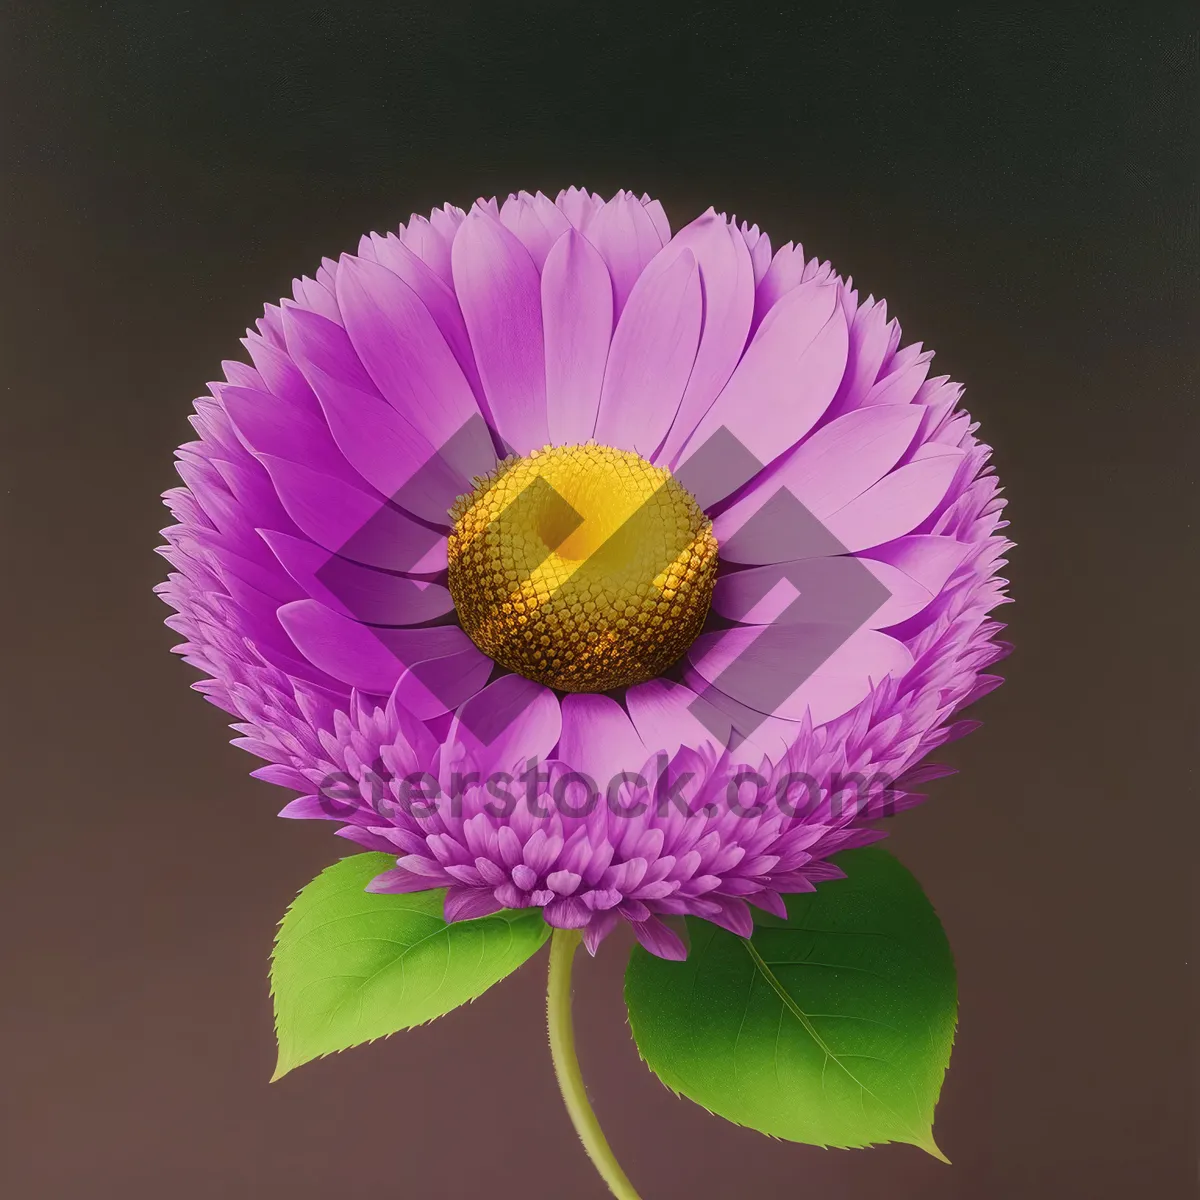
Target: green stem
(566,1065)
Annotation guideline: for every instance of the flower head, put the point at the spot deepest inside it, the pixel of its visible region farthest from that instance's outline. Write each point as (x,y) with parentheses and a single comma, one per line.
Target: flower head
(586,567)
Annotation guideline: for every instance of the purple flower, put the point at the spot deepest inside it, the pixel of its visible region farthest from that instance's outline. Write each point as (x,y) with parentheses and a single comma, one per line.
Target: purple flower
(584,567)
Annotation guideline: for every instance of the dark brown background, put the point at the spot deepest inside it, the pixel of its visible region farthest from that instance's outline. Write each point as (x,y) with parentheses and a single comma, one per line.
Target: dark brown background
(1021,188)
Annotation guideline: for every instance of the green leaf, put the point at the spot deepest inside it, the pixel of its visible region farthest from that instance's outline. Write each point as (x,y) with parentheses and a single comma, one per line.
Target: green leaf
(351,966)
(833,1027)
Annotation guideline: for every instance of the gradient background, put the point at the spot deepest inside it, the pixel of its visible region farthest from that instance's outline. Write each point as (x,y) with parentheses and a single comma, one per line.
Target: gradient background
(1021,187)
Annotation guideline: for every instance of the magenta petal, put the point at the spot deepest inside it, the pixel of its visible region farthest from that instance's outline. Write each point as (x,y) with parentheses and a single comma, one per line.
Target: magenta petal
(818,590)
(343,648)
(600,926)
(439,684)
(669,715)
(727,279)
(902,382)
(436,294)
(658,218)
(844,458)
(403,350)
(430,242)
(782,276)
(598,739)
(500,293)
(660,939)
(509,721)
(374,597)
(316,808)
(653,349)
(577,320)
(380,443)
(785,380)
(927,559)
(734,916)
(759,245)
(895,505)
(398,881)
(267,425)
(369,839)
(578,206)
(567,912)
(906,597)
(280,375)
(308,293)
(468,903)
(349,521)
(369,659)
(626,237)
(870,337)
(760,671)
(536,222)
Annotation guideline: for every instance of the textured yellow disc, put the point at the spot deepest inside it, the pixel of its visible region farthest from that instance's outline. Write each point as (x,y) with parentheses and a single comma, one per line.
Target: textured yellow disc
(582,567)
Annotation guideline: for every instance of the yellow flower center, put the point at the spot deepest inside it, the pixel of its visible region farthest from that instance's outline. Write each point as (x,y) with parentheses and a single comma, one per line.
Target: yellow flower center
(581,567)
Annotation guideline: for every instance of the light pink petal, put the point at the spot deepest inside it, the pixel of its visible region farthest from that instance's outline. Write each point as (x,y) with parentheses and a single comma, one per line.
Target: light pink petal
(830,468)
(598,739)
(870,336)
(895,505)
(651,357)
(577,322)
(439,685)
(758,667)
(348,651)
(757,735)
(378,441)
(901,385)
(279,374)
(844,458)
(578,206)
(429,244)
(782,276)
(626,237)
(310,294)
(600,926)
(669,715)
(511,720)
(927,559)
(374,597)
(348,520)
(906,596)
(660,939)
(500,294)
(267,425)
(398,881)
(727,279)
(536,221)
(759,246)
(369,659)
(438,298)
(269,327)
(658,215)
(820,590)
(784,382)
(772,526)
(403,350)
(469,903)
